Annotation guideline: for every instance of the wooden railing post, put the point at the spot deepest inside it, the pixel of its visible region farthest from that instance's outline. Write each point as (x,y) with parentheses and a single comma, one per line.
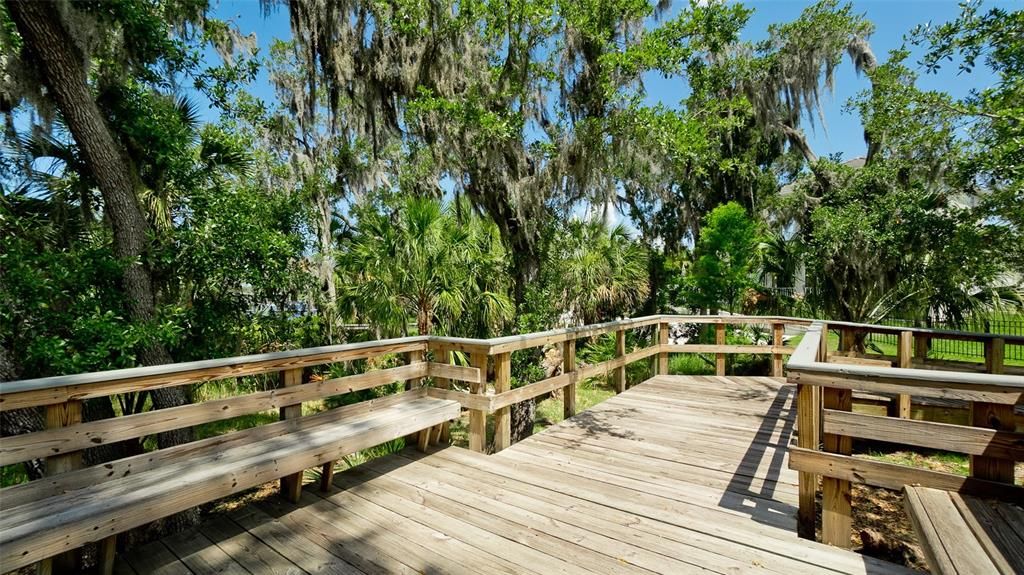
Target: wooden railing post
(663,356)
(847,339)
(778,330)
(443,356)
(836,508)
(412,357)
(478,417)
(56,416)
(719,357)
(619,374)
(904,348)
(569,366)
(994,415)
(291,485)
(921,347)
(503,416)
(807,409)
(808,427)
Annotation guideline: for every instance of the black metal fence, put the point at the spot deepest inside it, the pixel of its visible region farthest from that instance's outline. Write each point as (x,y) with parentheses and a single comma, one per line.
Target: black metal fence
(950,347)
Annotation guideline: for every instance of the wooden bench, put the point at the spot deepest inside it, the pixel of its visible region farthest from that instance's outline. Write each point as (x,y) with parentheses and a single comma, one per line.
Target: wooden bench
(43,518)
(47,519)
(961,534)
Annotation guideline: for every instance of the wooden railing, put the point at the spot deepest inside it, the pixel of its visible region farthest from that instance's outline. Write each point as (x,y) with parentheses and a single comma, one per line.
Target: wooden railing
(490,392)
(496,396)
(826,380)
(826,425)
(61,445)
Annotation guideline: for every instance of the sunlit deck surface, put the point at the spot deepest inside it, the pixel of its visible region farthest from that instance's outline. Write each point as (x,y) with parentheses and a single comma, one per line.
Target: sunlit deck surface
(679,474)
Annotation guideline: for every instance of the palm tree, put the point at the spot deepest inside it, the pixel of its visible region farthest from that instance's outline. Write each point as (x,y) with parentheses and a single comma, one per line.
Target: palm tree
(597,271)
(419,264)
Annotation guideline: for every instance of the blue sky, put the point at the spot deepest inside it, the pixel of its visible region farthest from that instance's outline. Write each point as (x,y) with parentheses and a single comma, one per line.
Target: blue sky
(841,133)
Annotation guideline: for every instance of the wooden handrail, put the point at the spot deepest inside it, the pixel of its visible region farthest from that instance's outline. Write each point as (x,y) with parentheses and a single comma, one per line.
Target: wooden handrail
(990,440)
(62,388)
(806,364)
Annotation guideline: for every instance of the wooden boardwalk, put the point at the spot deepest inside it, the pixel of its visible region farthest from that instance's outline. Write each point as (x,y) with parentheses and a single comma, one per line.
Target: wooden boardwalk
(676,475)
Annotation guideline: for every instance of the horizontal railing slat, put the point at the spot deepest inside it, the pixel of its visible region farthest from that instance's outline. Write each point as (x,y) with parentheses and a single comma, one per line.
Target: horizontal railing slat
(713,348)
(937,387)
(51,390)
(456,372)
(895,476)
(945,436)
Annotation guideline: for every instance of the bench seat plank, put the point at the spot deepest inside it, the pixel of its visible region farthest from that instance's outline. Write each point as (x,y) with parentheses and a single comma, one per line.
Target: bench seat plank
(963,535)
(189,476)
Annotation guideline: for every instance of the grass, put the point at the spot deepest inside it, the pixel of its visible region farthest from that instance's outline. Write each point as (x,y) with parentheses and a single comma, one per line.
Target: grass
(588,394)
(944,461)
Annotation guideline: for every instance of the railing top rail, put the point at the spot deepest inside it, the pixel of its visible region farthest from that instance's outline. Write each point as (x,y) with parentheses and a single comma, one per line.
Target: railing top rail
(805,359)
(737,319)
(203,370)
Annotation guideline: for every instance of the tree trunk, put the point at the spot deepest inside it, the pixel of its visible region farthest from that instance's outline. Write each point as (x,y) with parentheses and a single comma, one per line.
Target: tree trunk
(325,270)
(51,50)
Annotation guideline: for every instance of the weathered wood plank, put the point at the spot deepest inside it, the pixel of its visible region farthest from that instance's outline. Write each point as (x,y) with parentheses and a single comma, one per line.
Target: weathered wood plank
(728,348)
(291,485)
(246,549)
(57,417)
(720,356)
(156,559)
(51,390)
(808,430)
(1003,542)
(904,351)
(502,416)
(27,533)
(559,381)
(456,372)
(291,540)
(778,331)
(893,476)
(938,386)
(948,543)
(201,556)
(968,440)
(836,504)
(23,493)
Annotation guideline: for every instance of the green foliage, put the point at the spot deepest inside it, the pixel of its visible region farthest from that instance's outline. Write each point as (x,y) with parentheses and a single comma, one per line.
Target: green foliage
(904,232)
(596,272)
(993,115)
(421,263)
(63,312)
(724,258)
(285,218)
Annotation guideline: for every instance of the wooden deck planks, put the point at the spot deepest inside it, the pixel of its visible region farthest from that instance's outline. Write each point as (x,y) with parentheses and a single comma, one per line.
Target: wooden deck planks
(675,475)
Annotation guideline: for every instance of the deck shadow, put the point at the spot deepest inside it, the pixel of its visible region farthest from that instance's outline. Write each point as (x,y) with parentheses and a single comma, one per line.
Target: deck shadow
(740,494)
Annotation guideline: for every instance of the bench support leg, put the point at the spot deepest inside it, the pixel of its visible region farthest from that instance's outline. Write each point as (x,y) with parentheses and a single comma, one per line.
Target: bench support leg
(107,554)
(423,439)
(291,486)
(327,477)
